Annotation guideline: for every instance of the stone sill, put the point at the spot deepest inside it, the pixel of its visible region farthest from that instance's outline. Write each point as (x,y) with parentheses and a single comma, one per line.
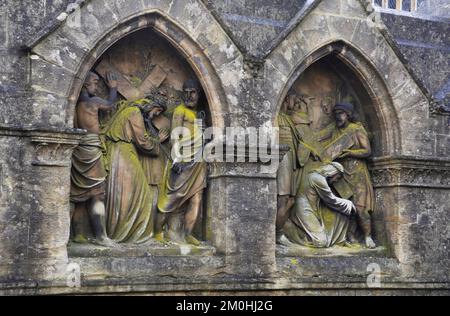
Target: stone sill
(30,131)
(409,161)
(227,287)
(146,250)
(336,251)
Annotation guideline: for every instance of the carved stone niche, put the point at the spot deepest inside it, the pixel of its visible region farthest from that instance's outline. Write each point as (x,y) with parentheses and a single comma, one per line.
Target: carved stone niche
(146,66)
(320,86)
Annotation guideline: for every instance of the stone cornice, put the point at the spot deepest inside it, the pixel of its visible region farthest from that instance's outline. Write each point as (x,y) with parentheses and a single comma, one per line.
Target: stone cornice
(30,131)
(52,147)
(411,172)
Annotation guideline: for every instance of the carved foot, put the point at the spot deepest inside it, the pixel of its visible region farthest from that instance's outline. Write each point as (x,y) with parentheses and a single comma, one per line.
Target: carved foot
(80,239)
(174,237)
(192,240)
(370,243)
(160,237)
(105,242)
(352,240)
(282,240)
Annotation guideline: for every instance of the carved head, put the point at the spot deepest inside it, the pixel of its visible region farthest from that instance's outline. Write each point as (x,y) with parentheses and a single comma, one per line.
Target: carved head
(156,103)
(333,171)
(91,83)
(343,114)
(191,89)
(152,109)
(290,101)
(327,104)
(155,111)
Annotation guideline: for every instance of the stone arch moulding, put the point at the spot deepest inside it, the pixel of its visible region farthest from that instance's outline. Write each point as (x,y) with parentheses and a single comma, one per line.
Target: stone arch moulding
(369,77)
(84,56)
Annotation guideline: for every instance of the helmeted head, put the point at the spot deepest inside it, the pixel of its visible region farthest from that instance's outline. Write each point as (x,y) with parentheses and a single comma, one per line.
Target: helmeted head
(191,89)
(91,83)
(343,114)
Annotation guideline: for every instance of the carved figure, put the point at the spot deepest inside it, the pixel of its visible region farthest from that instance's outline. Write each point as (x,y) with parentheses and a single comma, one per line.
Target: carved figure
(320,218)
(181,194)
(129,205)
(88,172)
(350,146)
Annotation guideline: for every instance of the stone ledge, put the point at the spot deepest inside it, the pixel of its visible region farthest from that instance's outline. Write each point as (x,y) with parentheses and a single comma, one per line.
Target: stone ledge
(336,251)
(380,162)
(36,131)
(157,270)
(338,269)
(225,287)
(406,171)
(146,250)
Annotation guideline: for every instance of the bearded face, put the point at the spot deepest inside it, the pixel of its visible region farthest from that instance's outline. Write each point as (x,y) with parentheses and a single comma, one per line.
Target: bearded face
(191,97)
(342,118)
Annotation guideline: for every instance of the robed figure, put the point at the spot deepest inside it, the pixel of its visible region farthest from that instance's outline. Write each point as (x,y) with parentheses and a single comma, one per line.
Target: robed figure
(129,203)
(320,218)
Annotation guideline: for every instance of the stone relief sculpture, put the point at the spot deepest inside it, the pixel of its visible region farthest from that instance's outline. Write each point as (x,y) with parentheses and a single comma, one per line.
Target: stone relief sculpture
(334,194)
(181,195)
(320,218)
(124,175)
(350,145)
(158,127)
(292,132)
(140,177)
(148,192)
(88,170)
(130,216)
(287,175)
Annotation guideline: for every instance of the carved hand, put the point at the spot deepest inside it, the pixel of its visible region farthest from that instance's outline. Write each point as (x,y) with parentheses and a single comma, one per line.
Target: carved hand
(111,80)
(349,207)
(345,153)
(163,135)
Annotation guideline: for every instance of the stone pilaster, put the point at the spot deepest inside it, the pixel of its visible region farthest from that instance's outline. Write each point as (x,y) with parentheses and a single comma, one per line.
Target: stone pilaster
(38,202)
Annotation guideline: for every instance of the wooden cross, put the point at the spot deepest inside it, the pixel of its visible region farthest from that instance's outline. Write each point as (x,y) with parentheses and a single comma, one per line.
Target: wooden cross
(153,80)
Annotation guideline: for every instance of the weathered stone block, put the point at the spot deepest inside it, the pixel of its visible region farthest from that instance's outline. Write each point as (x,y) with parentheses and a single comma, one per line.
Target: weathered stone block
(90,22)
(342,27)
(289,53)
(49,77)
(353,8)
(416,144)
(215,42)
(161,5)
(274,86)
(315,29)
(4,30)
(333,7)
(366,37)
(188,12)
(127,8)
(61,51)
(50,109)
